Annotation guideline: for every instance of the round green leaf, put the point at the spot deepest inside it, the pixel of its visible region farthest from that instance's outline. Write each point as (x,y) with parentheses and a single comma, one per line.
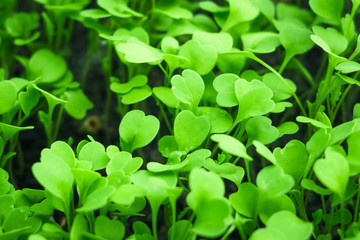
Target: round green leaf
(169,45)
(292,159)
(333,171)
(166,96)
(254,99)
(231,145)
(226,170)
(270,205)
(280,90)
(189,130)
(260,129)
(188,88)
(196,53)
(272,180)
(289,224)
(221,41)
(213,217)
(137,130)
(220,120)
(28,100)
(122,88)
(8,96)
(260,42)
(132,50)
(94,152)
(109,229)
(246,200)
(77,103)
(204,185)
(48,66)
(330,9)
(224,84)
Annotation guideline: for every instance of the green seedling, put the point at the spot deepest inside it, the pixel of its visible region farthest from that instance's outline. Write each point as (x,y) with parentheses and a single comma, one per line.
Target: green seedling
(236,120)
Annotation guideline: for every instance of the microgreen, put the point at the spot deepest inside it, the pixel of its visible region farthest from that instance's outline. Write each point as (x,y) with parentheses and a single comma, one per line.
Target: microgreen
(234,119)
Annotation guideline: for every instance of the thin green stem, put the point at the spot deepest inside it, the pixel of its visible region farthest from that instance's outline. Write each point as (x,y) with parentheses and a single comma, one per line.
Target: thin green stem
(338,105)
(163,113)
(356,211)
(228,232)
(305,72)
(247,169)
(342,212)
(323,203)
(154,211)
(284,63)
(252,56)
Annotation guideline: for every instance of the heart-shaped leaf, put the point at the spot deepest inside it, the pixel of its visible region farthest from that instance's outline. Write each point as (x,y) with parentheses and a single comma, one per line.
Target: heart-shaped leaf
(260,42)
(246,200)
(204,185)
(188,88)
(54,174)
(280,90)
(269,205)
(260,129)
(272,180)
(123,161)
(94,152)
(292,159)
(213,216)
(220,120)
(29,99)
(166,96)
(284,225)
(226,170)
(122,88)
(333,171)
(224,84)
(109,229)
(137,130)
(46,65)
(132,50)
(240,11)
(97,199)
(295,39)
(189,130)
(77,104)
(8,95)
(231,145)
(221,41)
(196,53)
(254,99)
(331,9)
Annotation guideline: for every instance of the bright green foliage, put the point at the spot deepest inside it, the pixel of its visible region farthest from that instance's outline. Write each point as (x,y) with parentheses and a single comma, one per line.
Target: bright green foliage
(231,145)
(189,130)
(221,155)
(292,159)
(254,99)
(224,84)
(213,213)
(261,42)
(260,129)
(137,130)
(196,52)
(8,95)
(188,88)
(333,171)
(284,225)
(46,65)
(272,180)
